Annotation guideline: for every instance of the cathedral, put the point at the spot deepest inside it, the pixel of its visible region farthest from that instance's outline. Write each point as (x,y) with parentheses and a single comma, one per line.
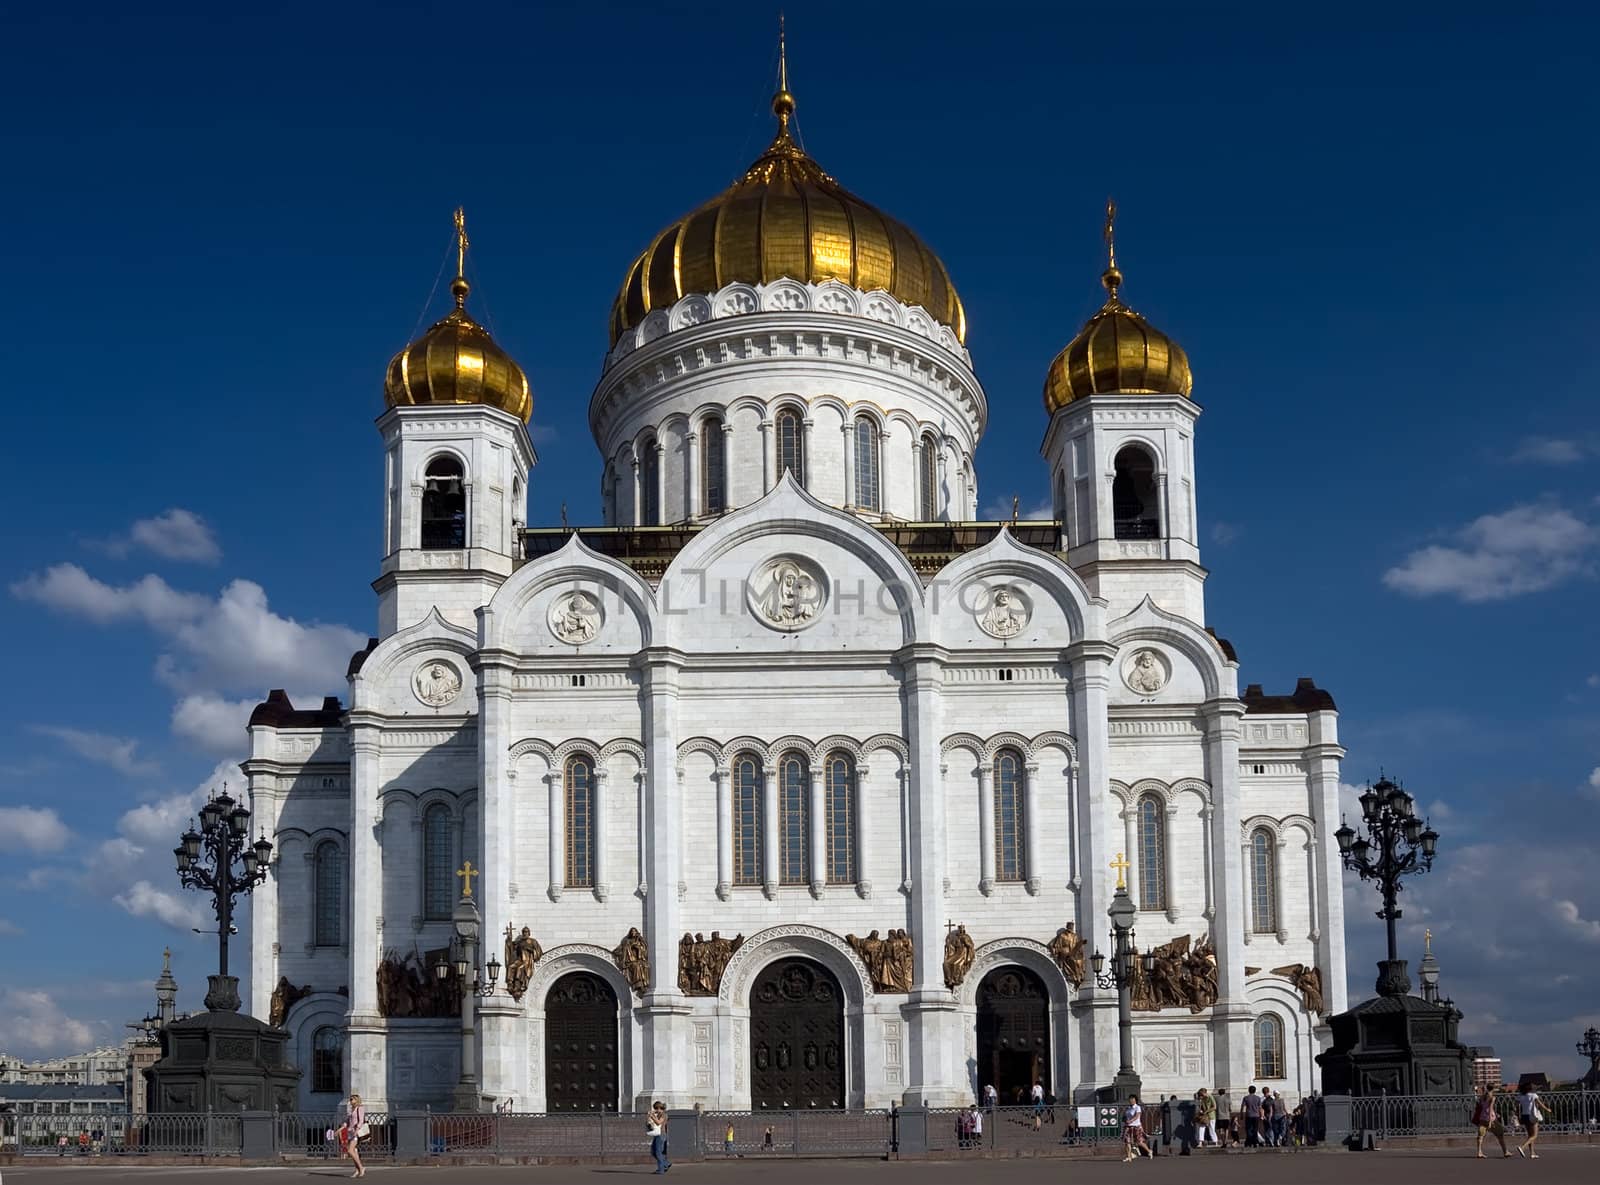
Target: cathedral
(793,783)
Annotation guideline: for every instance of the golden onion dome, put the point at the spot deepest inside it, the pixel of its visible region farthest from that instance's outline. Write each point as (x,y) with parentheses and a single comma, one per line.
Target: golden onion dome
(456,361)
(786,217)
(1116,352)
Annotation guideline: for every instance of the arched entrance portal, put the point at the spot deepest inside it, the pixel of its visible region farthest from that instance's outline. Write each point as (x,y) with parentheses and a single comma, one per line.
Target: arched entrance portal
(580,1044)
(797,1046)
(1013,1033)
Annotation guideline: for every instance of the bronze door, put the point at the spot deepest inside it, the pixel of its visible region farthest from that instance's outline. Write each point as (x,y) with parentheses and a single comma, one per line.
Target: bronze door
(796,1037)
(1013,1033)
(580,1044)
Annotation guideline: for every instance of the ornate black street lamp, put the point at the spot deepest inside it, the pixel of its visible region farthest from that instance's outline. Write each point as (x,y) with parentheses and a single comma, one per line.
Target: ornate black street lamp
(1121,976)
(1589,1047)
(1397,844)
(462,963)
(219,859)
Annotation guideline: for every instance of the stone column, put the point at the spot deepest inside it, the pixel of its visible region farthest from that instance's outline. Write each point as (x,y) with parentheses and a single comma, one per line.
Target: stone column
(636,517)
(863,834)
(1130,842)
(985,826)
(769,828)
(1232,1017)
(1030,823)
(503,1049)
(1169,860)
(937,1069)
(661,482)
(848,431)
(724,832)
(664,1012)
(768,458)
(264,937)
(1280,915)
(883,473)
(1090,662)
(691,493)
(602,832)
(368,1031)
(725,443)
(1323,756)
(819,837)
(555,795)
(806,468)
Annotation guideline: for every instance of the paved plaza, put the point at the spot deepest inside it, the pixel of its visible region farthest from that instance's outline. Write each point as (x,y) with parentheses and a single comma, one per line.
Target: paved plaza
(1558,1165)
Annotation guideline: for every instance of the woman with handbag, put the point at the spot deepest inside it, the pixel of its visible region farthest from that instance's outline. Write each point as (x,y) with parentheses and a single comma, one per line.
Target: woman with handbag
(355,1130)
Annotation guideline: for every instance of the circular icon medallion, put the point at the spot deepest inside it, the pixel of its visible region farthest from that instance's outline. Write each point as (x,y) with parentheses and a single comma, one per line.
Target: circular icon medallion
(576,617)
(436,682)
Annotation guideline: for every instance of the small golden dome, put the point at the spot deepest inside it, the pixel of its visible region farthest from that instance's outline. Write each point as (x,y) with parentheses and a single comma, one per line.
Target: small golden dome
(456,361)
(786,217)
(1117,351)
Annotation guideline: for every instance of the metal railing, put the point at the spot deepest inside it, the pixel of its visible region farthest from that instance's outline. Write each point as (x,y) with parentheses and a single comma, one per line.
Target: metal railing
(168,1134)
(797,1133)
(315,1135)
(1011,1129)
(1402,1116)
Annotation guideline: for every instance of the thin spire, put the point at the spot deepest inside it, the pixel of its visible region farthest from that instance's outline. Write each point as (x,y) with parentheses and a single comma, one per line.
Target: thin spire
(1111,277)
(783,101)
(459,286)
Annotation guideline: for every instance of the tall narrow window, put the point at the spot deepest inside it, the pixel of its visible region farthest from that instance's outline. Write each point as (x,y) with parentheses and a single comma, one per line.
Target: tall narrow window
(1269,1046)
(1061,497)
(747,791)
(1263,882)
(1008,822)
(713,466)
(1135,504)
(580,821)
(928,479)
(868,493)
(329,892)
(791,445)
(840,783)
(1152,824)
(794,822)
(327,1061)
(438,862)
(444,505)
(649,485)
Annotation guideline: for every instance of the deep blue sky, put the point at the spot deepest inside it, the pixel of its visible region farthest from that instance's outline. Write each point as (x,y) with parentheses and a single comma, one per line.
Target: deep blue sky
(1372,229)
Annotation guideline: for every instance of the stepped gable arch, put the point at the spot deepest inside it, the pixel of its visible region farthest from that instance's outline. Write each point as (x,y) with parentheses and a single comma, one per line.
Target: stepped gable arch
(1057,606)
(517,619)
(384,682)
(1197,669)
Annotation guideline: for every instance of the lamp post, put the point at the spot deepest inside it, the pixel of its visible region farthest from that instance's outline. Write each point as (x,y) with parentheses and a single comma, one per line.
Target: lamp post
(219,859)
(1397,844)
(462,963)
(1589,1047)
(1121,976)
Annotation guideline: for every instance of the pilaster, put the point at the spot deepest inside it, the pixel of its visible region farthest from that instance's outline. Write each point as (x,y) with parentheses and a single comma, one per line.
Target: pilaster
(1232,1016)
(366,1067)
(1323,757)
(499,1018)
(1090,663)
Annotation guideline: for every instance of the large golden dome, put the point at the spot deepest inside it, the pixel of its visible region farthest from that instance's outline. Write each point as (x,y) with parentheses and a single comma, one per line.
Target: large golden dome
(1117,352)
(456,361)
(786,217)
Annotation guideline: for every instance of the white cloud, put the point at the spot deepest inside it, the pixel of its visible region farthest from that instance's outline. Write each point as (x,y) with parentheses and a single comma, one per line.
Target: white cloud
(31,829)
(1549,450)
(213,723)
(181,911)
(1526,549)
(31,1022)
(174,534)
(120,753)
(1582,928)
(9,929)
(67,588)
(1224,533)
(1594,779)
(1593,680)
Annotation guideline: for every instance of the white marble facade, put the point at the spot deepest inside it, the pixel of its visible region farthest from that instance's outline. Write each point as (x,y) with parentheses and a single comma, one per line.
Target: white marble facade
(790,623)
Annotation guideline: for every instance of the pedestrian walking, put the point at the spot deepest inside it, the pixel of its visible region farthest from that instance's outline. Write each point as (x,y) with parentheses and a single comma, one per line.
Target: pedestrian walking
(355,1130)
(1205,1117)
(1486,1118)
(977,1128)
(1269,1110)
(656,1126)
(1532,1112)
(1038,1105)
(766,1139)
(1050,1107)
(1133,1137)
(991,1097)
(1251,1105)
(727,1140)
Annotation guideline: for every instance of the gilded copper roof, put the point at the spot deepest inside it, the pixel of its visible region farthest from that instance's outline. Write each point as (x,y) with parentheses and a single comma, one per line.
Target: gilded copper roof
(1117,352)
(786,217)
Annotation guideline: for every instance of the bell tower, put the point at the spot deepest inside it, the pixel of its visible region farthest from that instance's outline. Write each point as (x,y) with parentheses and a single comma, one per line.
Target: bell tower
(456,463)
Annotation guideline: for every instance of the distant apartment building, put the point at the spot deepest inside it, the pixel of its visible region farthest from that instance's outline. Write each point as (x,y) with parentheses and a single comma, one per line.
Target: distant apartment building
(1486,1068)
(106,1066)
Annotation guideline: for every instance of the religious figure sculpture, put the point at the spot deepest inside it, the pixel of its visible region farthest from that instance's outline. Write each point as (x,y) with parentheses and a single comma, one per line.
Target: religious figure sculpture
(437,683)
(575,618)
(633,960)
(1200,976)
(1067,948)
(899,962)
(792,595)
(702,960)
(522,952)
(873,952)
(1307,981)
(407,987)
(284,997)
(1005,616)
(1146,675)
(959,954)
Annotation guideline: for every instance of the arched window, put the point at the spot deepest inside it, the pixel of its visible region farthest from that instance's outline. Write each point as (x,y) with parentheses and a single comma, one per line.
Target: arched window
(327,1061)
(1269,1046)
(329,893)
(840,799)
(1263,882)
(649,483)
(791,445)
(579,783)
(868,493)
(1135,505)
(928,480)
(747,831)
(1152,823)
(1008,860)
(713,466)
(444,504)
(1061,497)
(794,822)
(438,862)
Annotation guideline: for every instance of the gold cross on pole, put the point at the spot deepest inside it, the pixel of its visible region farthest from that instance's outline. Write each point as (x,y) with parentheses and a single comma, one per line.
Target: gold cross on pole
(466,872)
(1121,865)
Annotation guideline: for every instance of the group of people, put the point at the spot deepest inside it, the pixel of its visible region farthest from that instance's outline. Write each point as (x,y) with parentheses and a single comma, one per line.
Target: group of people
(1530,1113)
(1263,1119)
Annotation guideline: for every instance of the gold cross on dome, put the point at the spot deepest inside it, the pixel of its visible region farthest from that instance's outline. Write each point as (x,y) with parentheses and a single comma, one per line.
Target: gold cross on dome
(466,872)
(1427,942)
(1121,865)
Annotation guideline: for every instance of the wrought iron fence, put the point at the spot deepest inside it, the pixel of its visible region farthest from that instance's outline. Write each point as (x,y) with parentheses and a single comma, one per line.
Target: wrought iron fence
(121,1134)
(1011,1129)
(1401,1116)
(796,1133)
(315,1135)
